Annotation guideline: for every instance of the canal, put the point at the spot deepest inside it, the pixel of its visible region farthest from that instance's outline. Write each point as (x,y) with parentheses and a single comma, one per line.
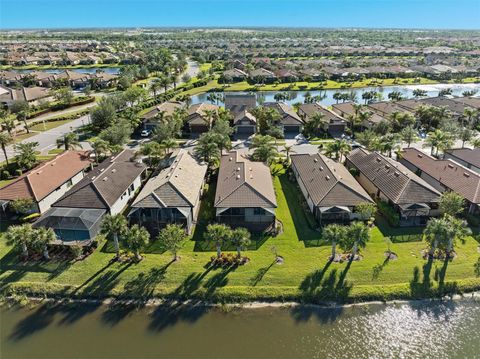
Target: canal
(327,95)
(410,330)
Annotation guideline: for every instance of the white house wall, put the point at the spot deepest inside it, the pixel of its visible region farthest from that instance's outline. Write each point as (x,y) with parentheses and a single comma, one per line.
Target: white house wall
(120,204)
(45,204)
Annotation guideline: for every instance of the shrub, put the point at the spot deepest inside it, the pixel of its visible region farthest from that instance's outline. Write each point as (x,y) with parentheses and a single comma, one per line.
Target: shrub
(387,211)
(18,172)
(4,175)
(76,250)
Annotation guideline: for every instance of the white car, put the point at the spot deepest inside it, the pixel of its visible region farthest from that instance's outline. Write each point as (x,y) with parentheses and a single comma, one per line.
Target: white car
(145,133)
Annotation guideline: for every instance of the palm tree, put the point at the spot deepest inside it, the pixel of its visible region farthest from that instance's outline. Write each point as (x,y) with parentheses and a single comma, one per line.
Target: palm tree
(451,203)
(100,148)
(471,115)
(155,86)
(20,236)
(5,140)
(435,233)
(69,141)
(136,238)
(334,234)
(172,239)
(475,143)
(438,140)
(240,238)
(26,157)
(115,226)
(288,149)
(43,237)
(168,144)
(208,116)
(313,126)
(207,151)
(458,229)
(338,148)
(359,234)
(8,124)
(409,135)
(219,234)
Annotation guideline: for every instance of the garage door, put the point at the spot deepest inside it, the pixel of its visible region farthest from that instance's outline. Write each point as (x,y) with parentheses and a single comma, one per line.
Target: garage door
(246,130)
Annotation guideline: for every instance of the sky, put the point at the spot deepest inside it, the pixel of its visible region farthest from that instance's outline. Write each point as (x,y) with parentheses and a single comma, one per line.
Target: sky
(429,14)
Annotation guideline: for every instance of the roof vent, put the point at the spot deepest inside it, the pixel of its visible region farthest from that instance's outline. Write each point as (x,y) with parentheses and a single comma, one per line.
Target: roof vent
(250,169)
(387,167)
(327,177)
(105,179)
(450,165)
(114,170)
(420,155)
(238,168)
(230,159)
(466,174)
(396,174)
(251,177)
(53,163)
(315,160)
(321,168)
(378,159)
(238,176)
(102,169)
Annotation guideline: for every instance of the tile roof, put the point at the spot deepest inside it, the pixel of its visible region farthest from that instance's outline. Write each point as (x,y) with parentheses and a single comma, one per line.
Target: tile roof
(176,186)
(166,108)
(469,101)
(103,186)
(288,115)
(45,178)
(243,183)
(471,156)
(327,182)
(311,108)
(393,179)
(197,111)
(455,177)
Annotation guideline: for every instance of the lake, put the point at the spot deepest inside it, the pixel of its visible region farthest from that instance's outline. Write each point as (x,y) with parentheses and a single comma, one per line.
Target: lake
(411,330)
(406,90)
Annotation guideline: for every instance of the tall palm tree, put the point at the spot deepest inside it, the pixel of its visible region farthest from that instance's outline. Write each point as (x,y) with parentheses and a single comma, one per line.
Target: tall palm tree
(471,115)
(5,140)
(208,117)
(409,135)
(8,124)
(338,148)
(288,150)
(359,234)
(219,234)
(334,234)
(438,140)
(136,238)
(155,86)
(240,238)
(100,148)
(69,141)
(168,144)
(115,226)
(436,232)
(20,236)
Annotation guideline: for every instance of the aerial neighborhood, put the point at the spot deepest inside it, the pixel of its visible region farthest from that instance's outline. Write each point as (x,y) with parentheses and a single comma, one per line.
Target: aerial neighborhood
(327,149)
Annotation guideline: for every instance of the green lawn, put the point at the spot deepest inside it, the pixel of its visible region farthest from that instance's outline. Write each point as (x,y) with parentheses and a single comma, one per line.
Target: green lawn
(305,275)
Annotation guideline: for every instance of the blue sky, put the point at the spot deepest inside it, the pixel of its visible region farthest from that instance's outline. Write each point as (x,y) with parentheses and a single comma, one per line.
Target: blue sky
(451,14)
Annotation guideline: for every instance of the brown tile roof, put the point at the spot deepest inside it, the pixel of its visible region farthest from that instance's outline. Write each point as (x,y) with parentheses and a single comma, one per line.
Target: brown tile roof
(346,109)
(386,108)
(327,182)
(451,105)
(25,94)
(311,108)
(471,156)
(197,111)
(450,174)
(103,186)
(167,108)
(244,183)
(45,178)
(288,116)
(393,179)
(469,101)
(176,186)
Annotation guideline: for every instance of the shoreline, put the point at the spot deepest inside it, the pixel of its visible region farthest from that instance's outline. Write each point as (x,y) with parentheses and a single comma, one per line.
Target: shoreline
(156,302)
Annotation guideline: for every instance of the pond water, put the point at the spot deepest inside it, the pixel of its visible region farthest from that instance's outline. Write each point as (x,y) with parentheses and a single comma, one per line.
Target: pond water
(412,330)
(86,70)
(406,90)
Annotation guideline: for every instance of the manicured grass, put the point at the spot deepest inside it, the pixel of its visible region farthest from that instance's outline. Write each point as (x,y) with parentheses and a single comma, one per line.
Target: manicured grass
(305,275)
(48,125)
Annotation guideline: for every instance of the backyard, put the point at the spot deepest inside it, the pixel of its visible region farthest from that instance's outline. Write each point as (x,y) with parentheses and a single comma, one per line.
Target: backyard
(305,275)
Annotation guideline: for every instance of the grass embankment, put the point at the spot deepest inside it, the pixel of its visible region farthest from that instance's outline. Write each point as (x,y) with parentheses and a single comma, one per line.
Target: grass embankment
(306,274)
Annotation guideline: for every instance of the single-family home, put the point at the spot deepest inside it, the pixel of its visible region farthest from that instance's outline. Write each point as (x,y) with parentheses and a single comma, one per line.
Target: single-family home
(32,95)
(198,118)
(389,181)
(290,121)
(347,109)
(331,122)
(171,196)
(47,182)
(234,75)
(244,195)
(331,192)
(445,175)
(467,157)
(151,118)
(107,189)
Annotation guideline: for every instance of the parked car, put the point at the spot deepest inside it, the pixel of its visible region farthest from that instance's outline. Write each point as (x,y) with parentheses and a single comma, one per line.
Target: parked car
(146,133)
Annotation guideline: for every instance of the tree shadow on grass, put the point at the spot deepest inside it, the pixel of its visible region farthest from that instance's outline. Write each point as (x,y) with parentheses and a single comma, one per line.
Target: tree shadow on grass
(476,267)
(139,290)
(378,268)
(317,288)
(261,273)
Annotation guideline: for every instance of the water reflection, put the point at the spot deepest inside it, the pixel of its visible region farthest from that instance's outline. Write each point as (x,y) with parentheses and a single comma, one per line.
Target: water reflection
(409,330)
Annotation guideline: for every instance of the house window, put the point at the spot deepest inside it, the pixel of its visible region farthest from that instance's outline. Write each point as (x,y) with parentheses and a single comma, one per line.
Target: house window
(69,183)
(258,211)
